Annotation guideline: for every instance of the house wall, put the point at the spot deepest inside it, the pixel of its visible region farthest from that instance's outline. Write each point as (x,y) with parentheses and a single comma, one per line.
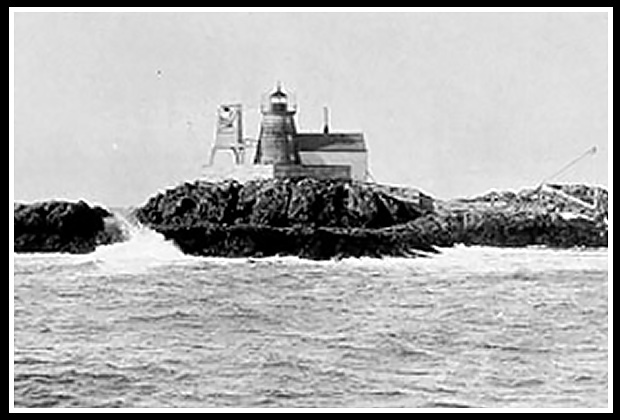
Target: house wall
(358,161)
(312,171)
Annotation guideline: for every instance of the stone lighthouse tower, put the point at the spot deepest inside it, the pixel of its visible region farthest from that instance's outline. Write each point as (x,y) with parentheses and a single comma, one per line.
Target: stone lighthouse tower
(275,141)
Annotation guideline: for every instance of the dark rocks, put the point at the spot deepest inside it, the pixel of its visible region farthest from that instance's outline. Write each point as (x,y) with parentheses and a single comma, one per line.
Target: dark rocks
(270,205)
(523,229)
(278,203)
(306,242)
(557,216)
(304,206)
(322,219)
(306,217)
(59,226)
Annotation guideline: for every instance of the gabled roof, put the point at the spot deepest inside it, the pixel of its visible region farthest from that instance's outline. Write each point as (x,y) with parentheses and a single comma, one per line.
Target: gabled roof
(332,142)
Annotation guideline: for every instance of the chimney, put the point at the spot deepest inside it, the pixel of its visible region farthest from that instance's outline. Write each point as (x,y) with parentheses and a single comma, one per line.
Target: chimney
(325,120)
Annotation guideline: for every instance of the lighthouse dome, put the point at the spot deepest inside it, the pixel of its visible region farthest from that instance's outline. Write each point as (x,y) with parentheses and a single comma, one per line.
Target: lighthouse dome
(278,93)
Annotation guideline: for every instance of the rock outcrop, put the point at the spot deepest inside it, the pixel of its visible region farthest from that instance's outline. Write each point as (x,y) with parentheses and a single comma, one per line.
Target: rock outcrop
(556,216)
(310,218)
(321,219)
(278,203)
(60,226)
(525,229)
(306,242)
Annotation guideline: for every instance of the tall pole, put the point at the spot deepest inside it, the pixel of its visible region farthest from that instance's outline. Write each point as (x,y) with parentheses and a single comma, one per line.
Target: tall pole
(325,120)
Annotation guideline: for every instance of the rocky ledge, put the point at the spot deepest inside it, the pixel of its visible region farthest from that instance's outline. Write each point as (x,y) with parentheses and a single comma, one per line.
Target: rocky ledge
(315,219)
(321,219)
(325,219)
(563,216)
(61,226)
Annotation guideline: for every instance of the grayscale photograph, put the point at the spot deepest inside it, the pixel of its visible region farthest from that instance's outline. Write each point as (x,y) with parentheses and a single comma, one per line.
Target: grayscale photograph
(310,210)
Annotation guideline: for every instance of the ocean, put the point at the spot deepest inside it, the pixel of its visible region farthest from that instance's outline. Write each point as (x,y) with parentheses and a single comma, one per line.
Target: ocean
(139,324)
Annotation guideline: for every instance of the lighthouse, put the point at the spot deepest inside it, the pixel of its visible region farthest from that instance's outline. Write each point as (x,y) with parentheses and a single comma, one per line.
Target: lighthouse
(277,131)
(283,153)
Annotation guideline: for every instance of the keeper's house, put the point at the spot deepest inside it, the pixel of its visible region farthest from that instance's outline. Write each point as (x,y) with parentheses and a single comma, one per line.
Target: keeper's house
(334,150)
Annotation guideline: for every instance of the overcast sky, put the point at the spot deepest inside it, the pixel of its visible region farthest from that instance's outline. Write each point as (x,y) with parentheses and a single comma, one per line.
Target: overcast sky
(111,107)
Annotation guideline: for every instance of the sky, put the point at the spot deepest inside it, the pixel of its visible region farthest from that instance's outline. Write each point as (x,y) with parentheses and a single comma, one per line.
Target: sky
(112,107)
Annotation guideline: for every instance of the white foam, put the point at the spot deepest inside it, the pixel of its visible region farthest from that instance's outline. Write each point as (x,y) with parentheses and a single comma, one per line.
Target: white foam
(486,260)
(480,260)
(143,250)
(459,259)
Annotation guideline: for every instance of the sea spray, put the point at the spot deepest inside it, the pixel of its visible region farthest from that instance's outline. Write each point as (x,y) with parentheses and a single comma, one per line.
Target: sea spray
(143,249)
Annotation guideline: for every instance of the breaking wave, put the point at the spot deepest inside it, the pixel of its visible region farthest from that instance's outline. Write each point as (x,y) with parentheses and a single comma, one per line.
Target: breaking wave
(143,249)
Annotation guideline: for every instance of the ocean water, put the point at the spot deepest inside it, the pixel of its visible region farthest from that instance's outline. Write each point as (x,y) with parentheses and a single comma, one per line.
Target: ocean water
(139,324)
